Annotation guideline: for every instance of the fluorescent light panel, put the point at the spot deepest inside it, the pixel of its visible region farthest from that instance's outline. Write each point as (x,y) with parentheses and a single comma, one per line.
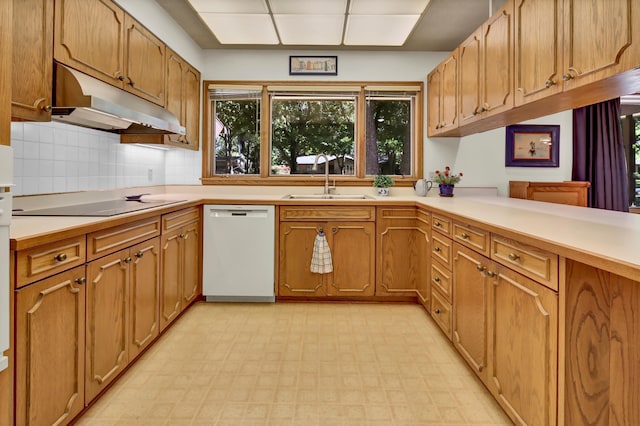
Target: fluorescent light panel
(311,22)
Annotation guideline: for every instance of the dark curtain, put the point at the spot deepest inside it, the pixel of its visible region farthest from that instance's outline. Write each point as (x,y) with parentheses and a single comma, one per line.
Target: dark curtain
(598,155)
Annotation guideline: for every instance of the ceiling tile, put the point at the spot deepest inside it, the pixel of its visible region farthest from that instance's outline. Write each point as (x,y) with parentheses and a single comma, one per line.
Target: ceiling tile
(230,6)
(365,30)
(310,29)
(386,7)
(303,7)
(254,29)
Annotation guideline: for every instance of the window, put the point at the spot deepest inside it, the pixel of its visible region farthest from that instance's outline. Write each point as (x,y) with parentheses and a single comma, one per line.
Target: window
(276,133)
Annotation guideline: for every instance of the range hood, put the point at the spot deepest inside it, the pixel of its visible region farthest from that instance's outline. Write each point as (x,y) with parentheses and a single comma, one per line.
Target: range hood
(86,101)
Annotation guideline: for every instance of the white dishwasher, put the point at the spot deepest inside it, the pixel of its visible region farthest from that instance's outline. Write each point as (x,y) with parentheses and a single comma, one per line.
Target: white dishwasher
(238,253)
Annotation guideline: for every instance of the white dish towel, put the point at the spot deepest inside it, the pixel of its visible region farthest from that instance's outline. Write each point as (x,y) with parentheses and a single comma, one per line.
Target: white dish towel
(321,259)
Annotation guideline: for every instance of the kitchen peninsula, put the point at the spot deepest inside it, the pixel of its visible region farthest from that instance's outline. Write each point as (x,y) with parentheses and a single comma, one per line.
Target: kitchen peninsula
(559,281)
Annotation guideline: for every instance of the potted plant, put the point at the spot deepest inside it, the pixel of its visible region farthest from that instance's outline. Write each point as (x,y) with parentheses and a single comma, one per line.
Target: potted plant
(446,180)
(382,183)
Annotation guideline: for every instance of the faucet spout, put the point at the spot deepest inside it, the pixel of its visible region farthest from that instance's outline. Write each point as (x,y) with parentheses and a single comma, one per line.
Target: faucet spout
(326,171)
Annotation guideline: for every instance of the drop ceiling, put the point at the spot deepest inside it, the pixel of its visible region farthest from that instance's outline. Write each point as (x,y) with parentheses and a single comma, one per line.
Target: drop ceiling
(427,25)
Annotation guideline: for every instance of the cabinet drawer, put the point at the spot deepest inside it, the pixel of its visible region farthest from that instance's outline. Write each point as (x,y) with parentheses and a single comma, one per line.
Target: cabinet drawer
(535,263)
(441,224)
(475,238)
(441,313)
(441,250)
(327,213)
(180,218)
(441,278)
(110,240)
(43,261)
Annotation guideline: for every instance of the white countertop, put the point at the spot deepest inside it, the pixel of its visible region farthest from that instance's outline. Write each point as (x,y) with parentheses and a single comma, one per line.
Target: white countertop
(575,232)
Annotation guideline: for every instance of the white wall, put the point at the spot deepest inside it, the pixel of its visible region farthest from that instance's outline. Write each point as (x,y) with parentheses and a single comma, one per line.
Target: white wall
(481,157)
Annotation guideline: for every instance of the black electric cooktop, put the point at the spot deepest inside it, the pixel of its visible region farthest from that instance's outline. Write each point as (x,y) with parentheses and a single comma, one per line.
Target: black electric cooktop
(101,208)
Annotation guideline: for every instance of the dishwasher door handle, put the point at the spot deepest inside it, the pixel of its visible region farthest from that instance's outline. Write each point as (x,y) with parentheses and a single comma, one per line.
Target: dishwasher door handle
(221,213)
(238,213)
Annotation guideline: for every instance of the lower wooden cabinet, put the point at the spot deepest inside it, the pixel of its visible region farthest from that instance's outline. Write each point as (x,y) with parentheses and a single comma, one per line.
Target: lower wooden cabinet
(352,246)
(50,341)
(523,342)
(470,290)
(180,264)
(403,253)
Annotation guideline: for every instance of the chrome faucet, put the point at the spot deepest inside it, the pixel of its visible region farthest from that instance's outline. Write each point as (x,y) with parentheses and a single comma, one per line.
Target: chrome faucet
(327,189)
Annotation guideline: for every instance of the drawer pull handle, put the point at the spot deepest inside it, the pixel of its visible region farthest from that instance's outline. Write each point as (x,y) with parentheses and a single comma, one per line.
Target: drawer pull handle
(491,274)
(436,279)
(513,257)
(61,257)
(464,236)
(436,249)
(481,268)
(438,224)
(437,311)
(181,236)
(127,260)
(139,254)
(80,281)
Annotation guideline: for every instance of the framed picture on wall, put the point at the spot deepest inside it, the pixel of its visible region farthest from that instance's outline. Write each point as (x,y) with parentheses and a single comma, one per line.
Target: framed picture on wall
(532,146)
(313,65)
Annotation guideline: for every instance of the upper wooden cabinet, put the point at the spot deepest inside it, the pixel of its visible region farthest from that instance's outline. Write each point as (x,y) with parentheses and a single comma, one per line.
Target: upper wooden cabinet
(100,39)
(32,71)
(89,36)
(442,96)
(144,62)
(576,43)
(486,68)
(183,100)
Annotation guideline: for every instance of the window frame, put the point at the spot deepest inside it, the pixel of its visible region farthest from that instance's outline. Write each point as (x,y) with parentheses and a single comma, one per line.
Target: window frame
(265,177)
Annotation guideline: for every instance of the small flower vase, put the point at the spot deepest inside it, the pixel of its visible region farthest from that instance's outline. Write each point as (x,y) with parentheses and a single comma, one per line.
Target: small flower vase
(383,192)
(446,190)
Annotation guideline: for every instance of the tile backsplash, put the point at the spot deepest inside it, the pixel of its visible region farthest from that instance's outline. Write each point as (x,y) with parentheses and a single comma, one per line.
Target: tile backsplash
(56,157)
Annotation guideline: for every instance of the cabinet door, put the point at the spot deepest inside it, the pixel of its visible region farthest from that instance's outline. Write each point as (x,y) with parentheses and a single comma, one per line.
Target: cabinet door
(398,253)
(434,87)
(50,349)
(191,114)
(190,259)
(144,62)
(591,55)
(538,49)
(523,338)
(449,109)
(32,60)
(296,250)
(176,68)
(470,298)
(423,284)
(353,255)
(497,62)
(89,37)
(144,295)
(470,52)
(107,320)
(171,283)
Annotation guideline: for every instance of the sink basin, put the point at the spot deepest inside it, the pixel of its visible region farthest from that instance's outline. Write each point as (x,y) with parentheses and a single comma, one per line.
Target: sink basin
(328,197)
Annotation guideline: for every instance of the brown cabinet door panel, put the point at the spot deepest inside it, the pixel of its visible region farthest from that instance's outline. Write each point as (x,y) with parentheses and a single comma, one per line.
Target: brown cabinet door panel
(190,263)
(144,62)
(296,249)
(353,256)
(32,60)
(50,327)
(89,37)
(497,62)
(107,320)
(144,295)
(170,285)
(191,112)
(470,57)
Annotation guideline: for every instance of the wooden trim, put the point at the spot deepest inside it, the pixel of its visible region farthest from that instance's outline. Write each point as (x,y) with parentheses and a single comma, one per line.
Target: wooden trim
(265,178)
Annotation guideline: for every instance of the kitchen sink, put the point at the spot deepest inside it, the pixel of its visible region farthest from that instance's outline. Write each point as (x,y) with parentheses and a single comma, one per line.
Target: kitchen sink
(327,197)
